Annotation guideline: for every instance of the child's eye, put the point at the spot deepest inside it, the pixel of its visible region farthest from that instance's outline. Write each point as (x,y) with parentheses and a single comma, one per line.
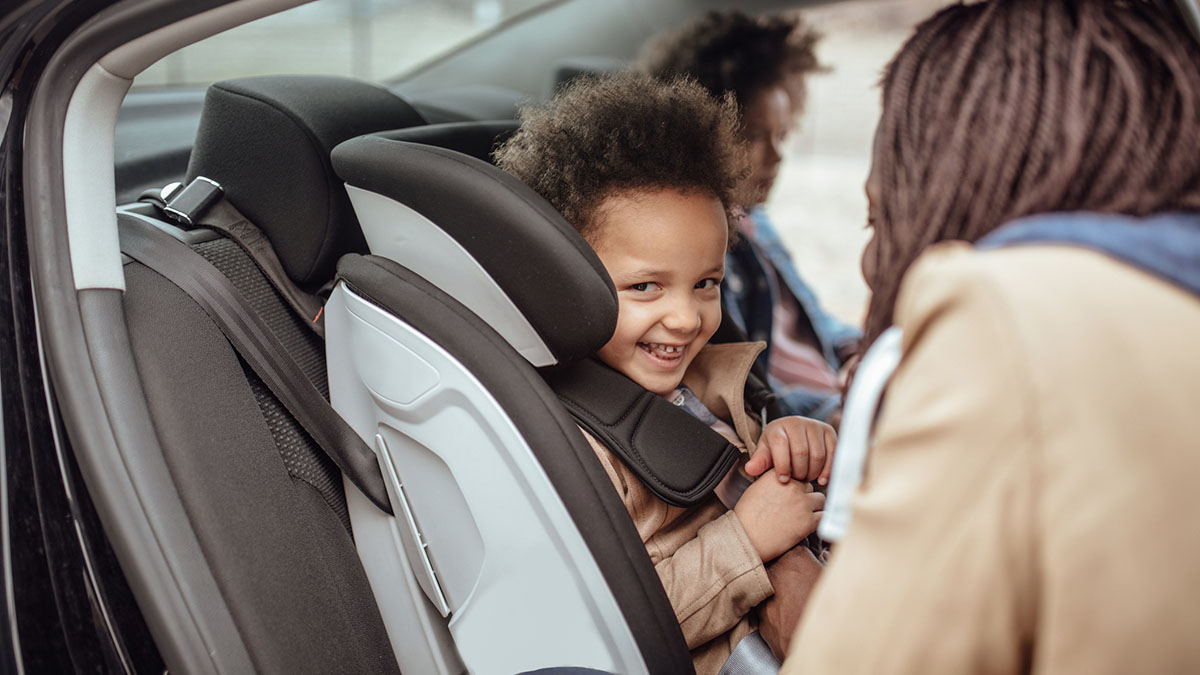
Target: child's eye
(707,284)
(643,287)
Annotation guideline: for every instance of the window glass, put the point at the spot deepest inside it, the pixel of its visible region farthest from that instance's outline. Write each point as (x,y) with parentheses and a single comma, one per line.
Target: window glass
(818,204)
(369,39)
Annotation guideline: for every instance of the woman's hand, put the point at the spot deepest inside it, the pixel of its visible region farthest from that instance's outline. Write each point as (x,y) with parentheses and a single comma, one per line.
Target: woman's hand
(792,576)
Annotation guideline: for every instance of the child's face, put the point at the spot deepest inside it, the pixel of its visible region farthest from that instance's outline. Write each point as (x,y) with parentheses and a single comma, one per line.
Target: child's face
(665,252)
(766,121)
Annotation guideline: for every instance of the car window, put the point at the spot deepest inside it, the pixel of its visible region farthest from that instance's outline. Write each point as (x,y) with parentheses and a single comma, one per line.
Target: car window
(368,39)
(818,204)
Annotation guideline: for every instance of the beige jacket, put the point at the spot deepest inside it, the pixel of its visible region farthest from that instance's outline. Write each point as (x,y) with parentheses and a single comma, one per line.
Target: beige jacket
(1030,504)
(706,563)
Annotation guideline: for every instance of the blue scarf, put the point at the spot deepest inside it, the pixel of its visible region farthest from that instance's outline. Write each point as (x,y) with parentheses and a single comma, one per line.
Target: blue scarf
(1166,245)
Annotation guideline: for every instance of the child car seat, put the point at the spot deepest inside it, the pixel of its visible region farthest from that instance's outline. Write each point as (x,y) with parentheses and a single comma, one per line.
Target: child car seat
(510,551)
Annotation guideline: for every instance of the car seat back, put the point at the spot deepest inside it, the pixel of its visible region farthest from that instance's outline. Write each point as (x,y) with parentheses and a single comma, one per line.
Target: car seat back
(266,505)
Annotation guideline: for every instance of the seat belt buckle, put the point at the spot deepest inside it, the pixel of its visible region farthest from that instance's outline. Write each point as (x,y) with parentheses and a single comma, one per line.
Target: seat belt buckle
(188,205)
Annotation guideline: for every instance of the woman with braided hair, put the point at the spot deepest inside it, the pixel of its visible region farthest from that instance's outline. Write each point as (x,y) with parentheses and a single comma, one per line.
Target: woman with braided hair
(1028,504)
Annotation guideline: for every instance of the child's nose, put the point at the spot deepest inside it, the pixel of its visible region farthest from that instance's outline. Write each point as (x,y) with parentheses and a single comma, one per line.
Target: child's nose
(683,316)
(775,151)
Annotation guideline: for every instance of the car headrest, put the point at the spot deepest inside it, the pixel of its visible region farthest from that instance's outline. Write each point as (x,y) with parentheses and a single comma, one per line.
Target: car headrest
(267,141)
(476,139)
(572,67)
(485,238)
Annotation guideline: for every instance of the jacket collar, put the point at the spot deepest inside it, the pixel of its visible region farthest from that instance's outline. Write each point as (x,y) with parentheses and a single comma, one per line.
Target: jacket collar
(718,378)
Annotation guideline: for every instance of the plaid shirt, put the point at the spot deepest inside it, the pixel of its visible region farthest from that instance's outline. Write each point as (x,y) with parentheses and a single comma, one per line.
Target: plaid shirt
(753,270)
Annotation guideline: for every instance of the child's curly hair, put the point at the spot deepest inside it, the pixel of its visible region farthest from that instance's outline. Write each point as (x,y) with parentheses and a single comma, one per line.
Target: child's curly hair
(626,132)
(733,51)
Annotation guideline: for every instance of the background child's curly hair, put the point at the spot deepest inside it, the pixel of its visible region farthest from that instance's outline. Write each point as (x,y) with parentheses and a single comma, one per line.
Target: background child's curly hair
(733,51)
(625,132)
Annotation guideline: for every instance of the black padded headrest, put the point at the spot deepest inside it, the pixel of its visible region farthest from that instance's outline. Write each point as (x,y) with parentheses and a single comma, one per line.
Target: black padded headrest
(267,141)
(476,139)
(572,67)
(535,257)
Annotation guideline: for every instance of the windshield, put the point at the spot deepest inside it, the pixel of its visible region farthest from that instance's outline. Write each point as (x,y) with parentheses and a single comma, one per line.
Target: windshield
(375,40)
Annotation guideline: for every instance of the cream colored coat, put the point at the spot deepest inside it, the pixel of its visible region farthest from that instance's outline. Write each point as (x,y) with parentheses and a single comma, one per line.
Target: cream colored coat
(1031,503)
(706,563)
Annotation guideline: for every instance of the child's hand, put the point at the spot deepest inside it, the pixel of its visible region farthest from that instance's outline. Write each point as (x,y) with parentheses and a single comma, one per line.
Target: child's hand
(797,447)
(777,516)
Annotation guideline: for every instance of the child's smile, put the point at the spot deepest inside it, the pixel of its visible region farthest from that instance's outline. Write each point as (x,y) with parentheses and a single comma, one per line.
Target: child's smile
(665,252)
(666,357)
(669,353)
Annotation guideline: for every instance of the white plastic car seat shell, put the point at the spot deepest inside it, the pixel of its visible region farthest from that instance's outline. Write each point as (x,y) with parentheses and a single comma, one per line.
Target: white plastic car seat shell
(519,585)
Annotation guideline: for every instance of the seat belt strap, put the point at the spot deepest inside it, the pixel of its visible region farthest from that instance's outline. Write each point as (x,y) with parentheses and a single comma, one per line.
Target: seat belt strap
(260,349)
(203,204)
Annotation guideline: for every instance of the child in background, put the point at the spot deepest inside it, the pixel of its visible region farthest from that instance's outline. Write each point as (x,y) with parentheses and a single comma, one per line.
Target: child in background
(646,172)
(764,62)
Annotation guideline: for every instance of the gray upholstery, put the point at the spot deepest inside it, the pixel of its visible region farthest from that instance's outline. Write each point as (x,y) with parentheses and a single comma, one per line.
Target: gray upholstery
(267,506)
(281,556)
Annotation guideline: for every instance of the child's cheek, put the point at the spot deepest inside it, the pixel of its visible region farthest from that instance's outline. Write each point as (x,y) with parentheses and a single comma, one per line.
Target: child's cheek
(612,352)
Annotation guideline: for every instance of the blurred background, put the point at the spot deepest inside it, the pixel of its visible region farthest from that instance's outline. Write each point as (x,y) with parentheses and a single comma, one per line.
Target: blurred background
(817,204)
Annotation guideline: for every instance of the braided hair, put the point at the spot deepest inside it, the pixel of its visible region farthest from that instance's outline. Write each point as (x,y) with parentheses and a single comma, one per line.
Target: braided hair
(997,110)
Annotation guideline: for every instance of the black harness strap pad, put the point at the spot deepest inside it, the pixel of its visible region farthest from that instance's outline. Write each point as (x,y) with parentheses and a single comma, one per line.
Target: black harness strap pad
(674,454)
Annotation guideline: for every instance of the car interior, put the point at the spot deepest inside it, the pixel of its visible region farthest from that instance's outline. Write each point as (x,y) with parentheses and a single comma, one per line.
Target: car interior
(389,483)
(288,126)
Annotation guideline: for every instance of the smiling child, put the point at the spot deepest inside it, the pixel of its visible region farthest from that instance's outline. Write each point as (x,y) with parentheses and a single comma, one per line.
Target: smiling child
(646,172)
(665,252)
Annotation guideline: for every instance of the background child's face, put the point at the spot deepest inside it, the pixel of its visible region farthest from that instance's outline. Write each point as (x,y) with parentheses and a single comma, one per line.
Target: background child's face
(665,252)
(766,121)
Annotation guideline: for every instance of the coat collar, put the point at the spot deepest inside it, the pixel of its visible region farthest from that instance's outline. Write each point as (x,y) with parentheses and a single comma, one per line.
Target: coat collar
(718,378)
